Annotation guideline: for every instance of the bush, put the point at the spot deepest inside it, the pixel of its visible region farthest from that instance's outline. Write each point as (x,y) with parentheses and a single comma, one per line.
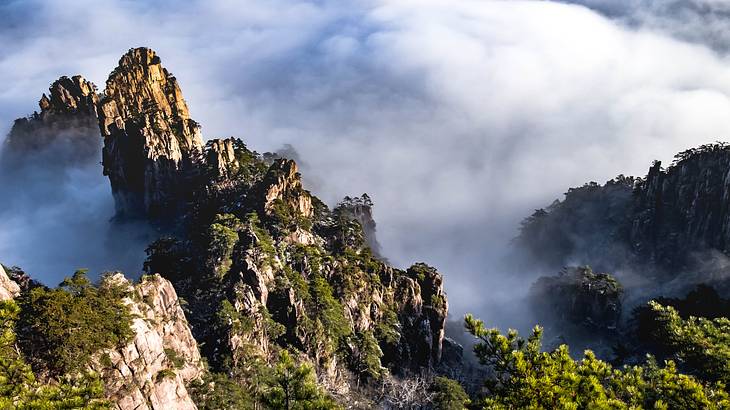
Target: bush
(294,386)
(222,236)
(448,394)
(218,391)
(62,328)
(19,388)
(702,346)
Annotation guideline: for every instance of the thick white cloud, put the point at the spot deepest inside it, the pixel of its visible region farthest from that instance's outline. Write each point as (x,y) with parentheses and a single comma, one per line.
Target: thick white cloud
(458,117)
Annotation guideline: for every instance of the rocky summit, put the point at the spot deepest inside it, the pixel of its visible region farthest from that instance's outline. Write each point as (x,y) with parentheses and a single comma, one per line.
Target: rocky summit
(64,131)
(150,142)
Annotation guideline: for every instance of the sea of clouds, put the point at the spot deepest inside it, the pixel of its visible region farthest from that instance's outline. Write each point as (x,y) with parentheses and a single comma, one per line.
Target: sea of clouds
(457,117)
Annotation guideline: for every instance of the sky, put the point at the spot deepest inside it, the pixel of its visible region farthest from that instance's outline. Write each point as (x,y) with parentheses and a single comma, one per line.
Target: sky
(458,117)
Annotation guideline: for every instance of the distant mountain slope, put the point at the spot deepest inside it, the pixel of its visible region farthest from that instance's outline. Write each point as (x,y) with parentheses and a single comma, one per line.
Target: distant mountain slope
(672,221)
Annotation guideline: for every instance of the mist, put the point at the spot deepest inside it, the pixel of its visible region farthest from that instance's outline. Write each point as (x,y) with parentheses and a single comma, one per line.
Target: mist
(458,118)
(56,211)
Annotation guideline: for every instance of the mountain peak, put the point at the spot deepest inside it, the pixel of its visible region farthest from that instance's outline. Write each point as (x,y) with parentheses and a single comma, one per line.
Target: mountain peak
(149,139)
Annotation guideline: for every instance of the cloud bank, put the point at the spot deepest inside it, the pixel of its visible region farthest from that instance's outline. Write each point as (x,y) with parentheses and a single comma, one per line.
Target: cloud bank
(457,117)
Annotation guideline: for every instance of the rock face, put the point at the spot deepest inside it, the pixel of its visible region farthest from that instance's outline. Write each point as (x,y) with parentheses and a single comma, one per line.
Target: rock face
(279,258)
(360,209)
(8,288)
(152,371)
(423,309)
(579,297)
(65,129)
(150,142)
(221,157)
(660,223)
(282,188)
(263,264)
(685,208)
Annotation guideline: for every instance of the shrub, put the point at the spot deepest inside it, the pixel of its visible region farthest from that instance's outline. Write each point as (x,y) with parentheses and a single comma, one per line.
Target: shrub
(702,346)
(222,237)
(294,386)
(19,388)
(62,328)
(448,394)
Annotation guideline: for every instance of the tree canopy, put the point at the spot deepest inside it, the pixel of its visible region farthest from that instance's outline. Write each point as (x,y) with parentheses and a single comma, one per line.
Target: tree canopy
(526,377)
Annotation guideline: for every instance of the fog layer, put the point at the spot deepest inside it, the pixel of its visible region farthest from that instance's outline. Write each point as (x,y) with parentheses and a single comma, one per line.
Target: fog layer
(457,117)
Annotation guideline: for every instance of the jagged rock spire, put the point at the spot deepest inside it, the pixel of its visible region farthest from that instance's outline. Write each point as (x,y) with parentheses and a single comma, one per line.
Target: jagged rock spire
(65,129)
(150,142)
(73,95)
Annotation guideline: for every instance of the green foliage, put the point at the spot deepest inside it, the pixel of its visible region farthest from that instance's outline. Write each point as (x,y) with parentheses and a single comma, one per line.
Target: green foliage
(222,236)
(365,355)
(298,283)
(287,217)
(219,391)
(712,148)
(230,318)
(328,309)
(19,388)
(165,374)
(272,328)
(419,271)
(448,394)
(702,346)
(438,301)
(387,329)
(62,328)
(525,377)
(175,358)
(294,386)
(265,242)
(308,255)
(251,166)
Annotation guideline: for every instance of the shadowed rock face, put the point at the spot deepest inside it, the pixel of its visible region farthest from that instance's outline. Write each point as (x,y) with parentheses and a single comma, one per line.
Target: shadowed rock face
(669,222)
(150,142)
(360,209)
(684,209)
(579,297)
(65,131)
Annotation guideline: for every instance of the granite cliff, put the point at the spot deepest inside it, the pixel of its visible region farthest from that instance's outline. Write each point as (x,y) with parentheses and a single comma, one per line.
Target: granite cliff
(263,265)
(150,142)
(152,370)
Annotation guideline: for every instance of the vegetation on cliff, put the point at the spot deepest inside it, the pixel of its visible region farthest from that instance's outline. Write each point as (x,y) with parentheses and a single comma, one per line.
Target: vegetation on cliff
(60,329)
(19,387)
(293,307)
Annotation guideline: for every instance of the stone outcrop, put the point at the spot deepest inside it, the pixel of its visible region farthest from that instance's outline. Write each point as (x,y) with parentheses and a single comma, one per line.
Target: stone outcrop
(8,288)
(360,209)
(262,263)
(64,130)
(150,143)
(282,185)
(578,297)
(422,307)
(152,371)
(221,157)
